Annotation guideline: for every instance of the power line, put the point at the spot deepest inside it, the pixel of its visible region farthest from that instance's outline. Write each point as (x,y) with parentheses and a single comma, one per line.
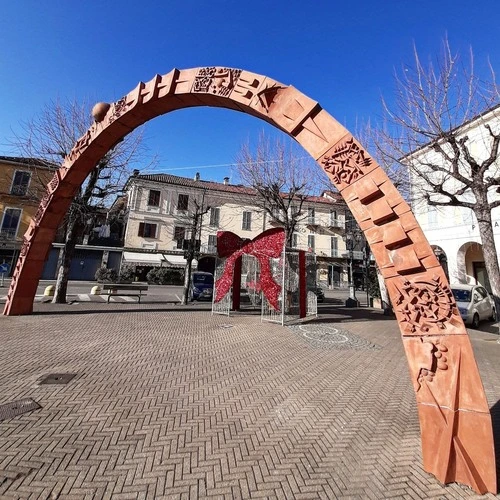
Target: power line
(230,164)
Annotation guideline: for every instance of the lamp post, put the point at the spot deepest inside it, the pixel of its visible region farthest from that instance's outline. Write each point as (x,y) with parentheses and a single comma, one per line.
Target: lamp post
(352,301)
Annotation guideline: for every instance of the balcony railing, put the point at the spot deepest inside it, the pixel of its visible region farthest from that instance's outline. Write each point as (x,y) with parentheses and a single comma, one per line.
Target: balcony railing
(8,234)
(337,223)
(208,249)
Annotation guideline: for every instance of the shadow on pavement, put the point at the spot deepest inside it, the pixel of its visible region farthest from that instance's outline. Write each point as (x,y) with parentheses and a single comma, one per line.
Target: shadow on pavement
(495,421)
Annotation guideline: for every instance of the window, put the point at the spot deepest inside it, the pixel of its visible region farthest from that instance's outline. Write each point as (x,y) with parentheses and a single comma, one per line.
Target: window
(10,222)
(182,202)
(311,216)
(154,198)
(212,243)
(20,183)
(333,218)
(334,247)
(311,242)
(247,221)
(214,217)
(147,230)
(295,240)
(179,236)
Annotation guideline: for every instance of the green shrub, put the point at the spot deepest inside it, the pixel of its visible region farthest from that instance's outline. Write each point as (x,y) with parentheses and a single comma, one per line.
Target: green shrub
(127,273)
(104,274)
(165,276)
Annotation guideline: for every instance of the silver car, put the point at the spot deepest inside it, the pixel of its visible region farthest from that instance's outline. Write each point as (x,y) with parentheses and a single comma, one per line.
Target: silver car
(474,303)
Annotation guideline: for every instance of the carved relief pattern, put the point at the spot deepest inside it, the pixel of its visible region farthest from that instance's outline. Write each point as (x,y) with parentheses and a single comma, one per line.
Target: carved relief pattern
(347,162)
(217,81)
(41,208)
(82,144)
(267,96)
(54,183)
(119,108)
(424,304)
(437,360)
(24,248)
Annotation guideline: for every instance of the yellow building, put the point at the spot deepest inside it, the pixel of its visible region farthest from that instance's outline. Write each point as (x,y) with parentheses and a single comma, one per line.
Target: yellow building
(22,185)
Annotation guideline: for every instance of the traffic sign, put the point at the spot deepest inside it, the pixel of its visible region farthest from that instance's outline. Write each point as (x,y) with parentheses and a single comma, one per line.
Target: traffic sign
(4,268)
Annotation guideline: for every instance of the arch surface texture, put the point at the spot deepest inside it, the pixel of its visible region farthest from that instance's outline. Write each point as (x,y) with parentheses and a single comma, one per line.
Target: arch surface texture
(456,429)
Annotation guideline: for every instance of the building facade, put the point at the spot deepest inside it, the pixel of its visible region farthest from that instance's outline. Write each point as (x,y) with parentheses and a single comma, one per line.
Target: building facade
(453,231)
(161,210)
(22,184)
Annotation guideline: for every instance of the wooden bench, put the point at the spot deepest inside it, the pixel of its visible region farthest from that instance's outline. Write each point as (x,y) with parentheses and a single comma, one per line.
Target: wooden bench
(130,289)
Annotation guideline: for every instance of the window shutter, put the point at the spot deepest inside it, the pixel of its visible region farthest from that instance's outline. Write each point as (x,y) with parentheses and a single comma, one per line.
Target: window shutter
(141,229)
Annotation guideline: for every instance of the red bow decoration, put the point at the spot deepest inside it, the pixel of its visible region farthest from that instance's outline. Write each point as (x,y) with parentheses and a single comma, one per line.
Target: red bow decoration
(265,246)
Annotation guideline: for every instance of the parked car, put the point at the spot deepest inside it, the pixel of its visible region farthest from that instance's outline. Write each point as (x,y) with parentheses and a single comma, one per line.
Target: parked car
(474,303)
(202,286)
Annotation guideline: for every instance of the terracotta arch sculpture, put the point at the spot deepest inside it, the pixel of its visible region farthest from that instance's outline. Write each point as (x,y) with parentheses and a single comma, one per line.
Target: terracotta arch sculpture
(454,416)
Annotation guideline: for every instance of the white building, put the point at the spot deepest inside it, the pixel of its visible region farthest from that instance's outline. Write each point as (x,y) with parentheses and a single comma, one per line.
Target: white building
(160,208)
(453,231)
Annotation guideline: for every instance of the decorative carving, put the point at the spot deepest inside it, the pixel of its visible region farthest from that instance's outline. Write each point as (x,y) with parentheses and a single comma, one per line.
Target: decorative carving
(24,248)
(433,358)
(54,183)
(119,108)
(267,96)
(218,81)
(347,162)
(82,144)
(424,304)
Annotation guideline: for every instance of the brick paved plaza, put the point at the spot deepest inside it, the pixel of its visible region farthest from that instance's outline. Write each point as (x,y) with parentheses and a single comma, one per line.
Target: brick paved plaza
(171,402)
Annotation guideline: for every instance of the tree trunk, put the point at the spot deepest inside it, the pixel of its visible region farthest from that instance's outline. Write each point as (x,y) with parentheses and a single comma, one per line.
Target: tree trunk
(68,251)
(490,254)
(187,280)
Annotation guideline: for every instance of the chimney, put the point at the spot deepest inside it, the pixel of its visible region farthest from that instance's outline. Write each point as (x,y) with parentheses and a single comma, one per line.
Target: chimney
(197,176)
(226,181)
(135,173)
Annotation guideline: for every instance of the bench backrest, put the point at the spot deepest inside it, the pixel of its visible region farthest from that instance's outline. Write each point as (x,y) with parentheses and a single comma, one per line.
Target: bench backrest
(118,286)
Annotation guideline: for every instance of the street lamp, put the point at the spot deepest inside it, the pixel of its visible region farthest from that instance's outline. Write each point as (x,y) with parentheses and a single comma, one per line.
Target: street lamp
(352,301)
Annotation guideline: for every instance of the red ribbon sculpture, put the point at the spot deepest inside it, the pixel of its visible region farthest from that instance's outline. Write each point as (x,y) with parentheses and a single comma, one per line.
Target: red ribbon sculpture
(265,246)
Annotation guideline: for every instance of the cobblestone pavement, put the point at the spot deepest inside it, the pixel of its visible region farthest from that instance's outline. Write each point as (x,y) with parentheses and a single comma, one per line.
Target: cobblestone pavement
(171,402)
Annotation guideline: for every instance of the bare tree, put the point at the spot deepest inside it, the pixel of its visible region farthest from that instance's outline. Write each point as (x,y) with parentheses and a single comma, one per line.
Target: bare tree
(192,221)
(50,136)
(282,178)
(444,127)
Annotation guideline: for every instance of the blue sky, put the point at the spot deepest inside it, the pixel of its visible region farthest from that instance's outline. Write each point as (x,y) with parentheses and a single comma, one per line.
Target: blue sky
(341,54)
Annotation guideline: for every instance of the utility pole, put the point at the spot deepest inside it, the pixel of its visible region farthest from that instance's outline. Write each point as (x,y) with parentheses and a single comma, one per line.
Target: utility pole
(350,223)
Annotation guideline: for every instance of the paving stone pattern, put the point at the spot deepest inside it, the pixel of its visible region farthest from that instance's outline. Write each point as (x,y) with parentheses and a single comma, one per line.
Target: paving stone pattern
(171,403)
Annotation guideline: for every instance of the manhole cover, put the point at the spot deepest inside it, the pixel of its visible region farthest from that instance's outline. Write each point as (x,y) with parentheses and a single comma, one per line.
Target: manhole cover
(57,378)
(331,337)
(11,410)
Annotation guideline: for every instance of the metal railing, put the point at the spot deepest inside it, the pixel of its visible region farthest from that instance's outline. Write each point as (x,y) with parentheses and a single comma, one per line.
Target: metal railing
(8,234)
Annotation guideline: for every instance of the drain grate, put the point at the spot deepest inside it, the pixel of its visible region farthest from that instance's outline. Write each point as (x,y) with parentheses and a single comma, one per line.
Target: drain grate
(57,378)
(15,408)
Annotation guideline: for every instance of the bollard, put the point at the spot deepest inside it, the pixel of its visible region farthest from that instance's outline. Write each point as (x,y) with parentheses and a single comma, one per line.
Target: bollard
(49,291)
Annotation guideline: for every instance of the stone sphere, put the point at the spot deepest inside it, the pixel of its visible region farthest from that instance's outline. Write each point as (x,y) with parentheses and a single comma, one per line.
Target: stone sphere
(99,111)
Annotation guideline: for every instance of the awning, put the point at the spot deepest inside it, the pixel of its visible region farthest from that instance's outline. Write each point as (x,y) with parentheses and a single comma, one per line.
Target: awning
(156,260)
(144,259)
(178,261)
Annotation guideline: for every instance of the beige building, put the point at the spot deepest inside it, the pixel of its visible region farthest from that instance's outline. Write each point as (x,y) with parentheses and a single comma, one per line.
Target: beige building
(160,221)
(22,184)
